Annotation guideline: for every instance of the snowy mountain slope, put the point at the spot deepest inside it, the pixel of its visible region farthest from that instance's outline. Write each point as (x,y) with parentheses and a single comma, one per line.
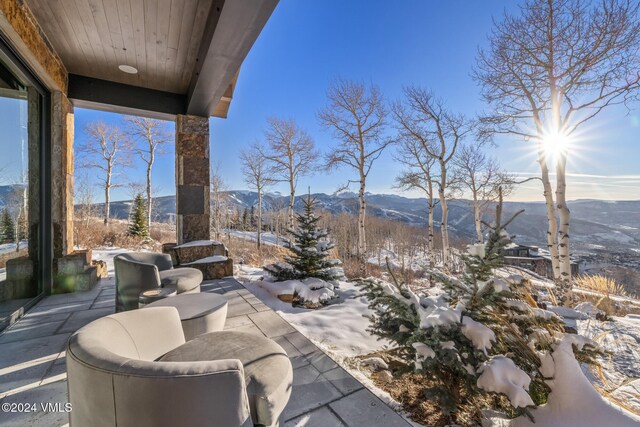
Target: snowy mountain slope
(595,223)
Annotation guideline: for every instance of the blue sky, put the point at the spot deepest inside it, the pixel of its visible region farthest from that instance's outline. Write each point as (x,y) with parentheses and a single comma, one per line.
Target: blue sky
(428,43)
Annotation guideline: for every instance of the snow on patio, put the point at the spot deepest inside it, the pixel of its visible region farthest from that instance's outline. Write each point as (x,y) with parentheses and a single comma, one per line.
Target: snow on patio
(339,328)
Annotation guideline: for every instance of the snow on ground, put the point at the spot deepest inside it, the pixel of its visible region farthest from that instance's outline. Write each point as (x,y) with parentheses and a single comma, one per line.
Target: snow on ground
(5,248)
(340,327)
(417,262)
(573,401)
(313,291)
(266,238)
(107,256)
(209,259)
(621,369)
(198,243)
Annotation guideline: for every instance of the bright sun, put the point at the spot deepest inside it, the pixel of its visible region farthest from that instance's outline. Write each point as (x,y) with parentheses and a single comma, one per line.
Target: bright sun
(556,144)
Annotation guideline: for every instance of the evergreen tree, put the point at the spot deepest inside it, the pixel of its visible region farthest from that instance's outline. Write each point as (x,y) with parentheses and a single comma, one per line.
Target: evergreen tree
(310,249)
(7,227)
(138,225)
(245,219)
(481,319)
(252,218)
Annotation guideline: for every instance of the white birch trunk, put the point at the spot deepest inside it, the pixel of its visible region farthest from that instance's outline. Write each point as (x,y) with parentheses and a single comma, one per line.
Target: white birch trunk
(292,199)
(444,230)
(362,240)
(430,234)
(552,231)
(149,167)
(107,188)
(444,227)
(476,219)
(259,230)
(563,231)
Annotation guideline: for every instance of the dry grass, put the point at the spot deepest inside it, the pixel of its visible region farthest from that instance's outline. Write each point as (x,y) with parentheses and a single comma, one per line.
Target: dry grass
(601,284)
(11,255)
(245,251)
(605,287)
(94,234)
(407,389)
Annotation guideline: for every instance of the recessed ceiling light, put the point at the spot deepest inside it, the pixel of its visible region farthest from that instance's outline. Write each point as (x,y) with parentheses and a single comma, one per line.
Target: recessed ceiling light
(128,69)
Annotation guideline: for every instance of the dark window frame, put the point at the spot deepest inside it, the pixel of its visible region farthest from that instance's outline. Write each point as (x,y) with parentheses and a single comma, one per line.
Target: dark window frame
(45,226)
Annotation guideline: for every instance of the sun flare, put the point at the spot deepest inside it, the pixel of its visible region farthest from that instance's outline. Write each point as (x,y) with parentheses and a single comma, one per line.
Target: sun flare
(556,144)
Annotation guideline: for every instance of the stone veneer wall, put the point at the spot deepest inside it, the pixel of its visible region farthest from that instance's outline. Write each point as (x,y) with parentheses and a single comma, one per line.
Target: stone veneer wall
(192,178)
(21,27)
(62,174)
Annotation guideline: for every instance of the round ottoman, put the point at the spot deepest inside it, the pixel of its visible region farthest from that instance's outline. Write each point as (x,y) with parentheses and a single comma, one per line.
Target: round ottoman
(267,368)
(199,313)
(184,280)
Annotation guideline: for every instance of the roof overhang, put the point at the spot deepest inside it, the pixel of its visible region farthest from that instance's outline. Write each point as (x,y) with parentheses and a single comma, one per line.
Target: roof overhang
(188,52)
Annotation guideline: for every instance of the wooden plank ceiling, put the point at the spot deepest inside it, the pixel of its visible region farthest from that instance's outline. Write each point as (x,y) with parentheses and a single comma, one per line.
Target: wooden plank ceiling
(160,38)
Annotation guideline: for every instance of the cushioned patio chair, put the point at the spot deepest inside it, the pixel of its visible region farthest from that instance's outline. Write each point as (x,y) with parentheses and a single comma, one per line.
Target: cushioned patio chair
(134,369)
(141,271)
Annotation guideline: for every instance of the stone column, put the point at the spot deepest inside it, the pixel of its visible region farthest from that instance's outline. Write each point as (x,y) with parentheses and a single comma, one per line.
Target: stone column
(62,174)
(192,178)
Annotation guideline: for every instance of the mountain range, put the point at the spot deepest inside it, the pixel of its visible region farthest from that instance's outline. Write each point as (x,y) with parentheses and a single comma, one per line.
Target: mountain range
(596,224)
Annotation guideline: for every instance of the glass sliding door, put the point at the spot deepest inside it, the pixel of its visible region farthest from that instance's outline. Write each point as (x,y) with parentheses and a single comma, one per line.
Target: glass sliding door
(24,257)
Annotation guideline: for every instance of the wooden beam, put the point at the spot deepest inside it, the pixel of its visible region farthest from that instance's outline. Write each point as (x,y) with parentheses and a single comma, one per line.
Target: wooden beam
(87,92)
(230,33)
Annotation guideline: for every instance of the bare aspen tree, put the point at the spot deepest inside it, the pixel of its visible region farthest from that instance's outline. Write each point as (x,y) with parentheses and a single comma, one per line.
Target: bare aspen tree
(425,118)
(150,135)
(419,174)
(291,153)
(18,209)
(107,149)
(482,177)
(548,71)
(85,209)
(257,175)
(219,208)
(357,117)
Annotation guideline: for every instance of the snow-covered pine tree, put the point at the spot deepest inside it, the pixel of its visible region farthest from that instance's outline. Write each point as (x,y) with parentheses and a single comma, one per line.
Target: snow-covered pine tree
(310,249)
(7,227)
(480,343)
(138,222)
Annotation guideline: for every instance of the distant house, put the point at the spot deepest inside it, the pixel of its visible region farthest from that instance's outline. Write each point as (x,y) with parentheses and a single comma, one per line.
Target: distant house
(534,259)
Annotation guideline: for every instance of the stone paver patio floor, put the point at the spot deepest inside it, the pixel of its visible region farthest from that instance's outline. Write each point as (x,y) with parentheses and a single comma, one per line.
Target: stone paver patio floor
(32,364)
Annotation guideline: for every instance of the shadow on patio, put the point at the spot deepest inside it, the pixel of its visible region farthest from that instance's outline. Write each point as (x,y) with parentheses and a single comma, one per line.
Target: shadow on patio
(32,361)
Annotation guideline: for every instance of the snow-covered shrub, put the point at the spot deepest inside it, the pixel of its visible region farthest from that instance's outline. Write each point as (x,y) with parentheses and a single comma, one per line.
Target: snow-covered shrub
(310,250)
(310,292)
(482,338)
